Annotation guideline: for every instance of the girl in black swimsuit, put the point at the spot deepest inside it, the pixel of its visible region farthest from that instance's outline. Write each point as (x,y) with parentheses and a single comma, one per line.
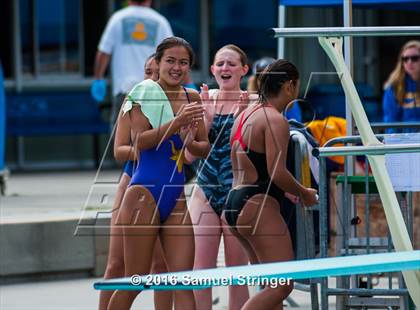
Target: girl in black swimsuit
(259,142)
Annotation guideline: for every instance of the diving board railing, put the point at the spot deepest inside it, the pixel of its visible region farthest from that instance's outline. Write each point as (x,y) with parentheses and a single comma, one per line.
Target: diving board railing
(331,40)
(343,223)
(396,125)
(343,31)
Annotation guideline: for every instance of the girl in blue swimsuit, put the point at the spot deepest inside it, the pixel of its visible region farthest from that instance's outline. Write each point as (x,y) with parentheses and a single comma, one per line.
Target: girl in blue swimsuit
(259,141)
(154,204)
(123,150)
(214,177)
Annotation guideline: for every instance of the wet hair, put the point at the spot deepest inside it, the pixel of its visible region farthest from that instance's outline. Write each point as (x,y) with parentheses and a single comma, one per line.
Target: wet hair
(274,76)
(234,48)
(174,42)
(148,59)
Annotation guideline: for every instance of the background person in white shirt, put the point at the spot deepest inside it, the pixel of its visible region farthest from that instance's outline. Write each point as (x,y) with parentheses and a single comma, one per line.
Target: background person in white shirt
(130,36)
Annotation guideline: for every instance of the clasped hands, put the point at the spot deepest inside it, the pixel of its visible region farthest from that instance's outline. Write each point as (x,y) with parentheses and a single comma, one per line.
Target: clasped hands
(188,118)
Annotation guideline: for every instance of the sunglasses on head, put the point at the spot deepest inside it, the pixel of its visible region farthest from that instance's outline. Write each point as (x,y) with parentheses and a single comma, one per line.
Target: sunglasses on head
(413,58)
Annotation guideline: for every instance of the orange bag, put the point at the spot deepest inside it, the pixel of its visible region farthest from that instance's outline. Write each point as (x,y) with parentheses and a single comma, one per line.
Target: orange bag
(326,129)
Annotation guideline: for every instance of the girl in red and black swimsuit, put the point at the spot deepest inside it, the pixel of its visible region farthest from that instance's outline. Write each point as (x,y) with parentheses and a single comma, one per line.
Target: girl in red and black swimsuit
(259,142)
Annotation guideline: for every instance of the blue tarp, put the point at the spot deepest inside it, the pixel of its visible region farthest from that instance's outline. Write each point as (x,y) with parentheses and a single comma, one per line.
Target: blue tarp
(383,4)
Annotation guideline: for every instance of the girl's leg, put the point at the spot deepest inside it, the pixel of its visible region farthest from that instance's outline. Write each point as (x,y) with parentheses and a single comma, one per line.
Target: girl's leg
(270,240)
(177,238)
(163,299)
(207,233)
(115,264)
(246,246)
(139,232)
(235,255)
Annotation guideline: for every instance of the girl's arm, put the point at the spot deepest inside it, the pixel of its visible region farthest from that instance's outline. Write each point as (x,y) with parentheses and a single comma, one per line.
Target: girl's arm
(276,142)
(208,105)
(123,148)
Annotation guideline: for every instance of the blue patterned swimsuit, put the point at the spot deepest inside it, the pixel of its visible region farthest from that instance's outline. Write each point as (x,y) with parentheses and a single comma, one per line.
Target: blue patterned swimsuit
(215,173)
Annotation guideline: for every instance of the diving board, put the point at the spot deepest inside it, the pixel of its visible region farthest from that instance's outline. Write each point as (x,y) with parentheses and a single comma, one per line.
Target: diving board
(302,269)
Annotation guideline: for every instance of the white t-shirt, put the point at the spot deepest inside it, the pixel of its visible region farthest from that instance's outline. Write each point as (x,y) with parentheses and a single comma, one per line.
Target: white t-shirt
(131,35)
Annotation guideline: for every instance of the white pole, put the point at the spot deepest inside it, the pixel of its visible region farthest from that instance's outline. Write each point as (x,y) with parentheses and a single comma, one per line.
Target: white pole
(204,40)
(348,57)
(17,47)
(349,160)
(282,24)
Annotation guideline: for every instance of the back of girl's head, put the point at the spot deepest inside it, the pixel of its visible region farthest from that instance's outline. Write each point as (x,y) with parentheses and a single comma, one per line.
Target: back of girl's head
(174,42)
(261,64)
(258,67)
(236,49)
(149,58)
(274,76)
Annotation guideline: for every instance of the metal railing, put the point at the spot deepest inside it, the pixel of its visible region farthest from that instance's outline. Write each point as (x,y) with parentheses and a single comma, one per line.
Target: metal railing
(347,244)
(305,230)
(302,32)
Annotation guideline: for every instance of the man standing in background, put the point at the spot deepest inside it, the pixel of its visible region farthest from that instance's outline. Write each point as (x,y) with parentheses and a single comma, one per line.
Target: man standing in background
(131,36)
